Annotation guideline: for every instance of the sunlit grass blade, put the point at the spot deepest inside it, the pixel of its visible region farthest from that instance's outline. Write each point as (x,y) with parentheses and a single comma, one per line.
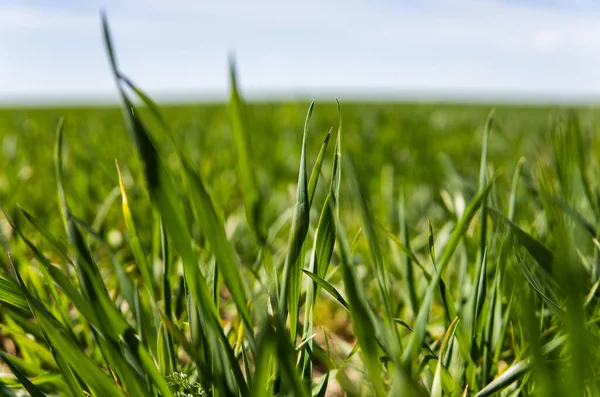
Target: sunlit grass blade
(324,241)
(292,276)
(316,171)
(134,240)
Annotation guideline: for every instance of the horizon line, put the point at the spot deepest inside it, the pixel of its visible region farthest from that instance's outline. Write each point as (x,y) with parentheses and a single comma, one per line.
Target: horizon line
(413,95)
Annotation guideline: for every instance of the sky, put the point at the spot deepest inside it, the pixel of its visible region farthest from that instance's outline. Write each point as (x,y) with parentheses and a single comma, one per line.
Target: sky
(179,49)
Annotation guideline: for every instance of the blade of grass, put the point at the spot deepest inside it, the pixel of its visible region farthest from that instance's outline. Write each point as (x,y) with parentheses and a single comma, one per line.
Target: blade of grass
(324,242)
(134,240)
(514,189)
(30,387)
(163,194)
(517,370)
(437,389)
(316,171)
(245,167)
(98,381)
(209,222)
(292,275)
(327,287)
(412,350)
(360,314)
(537,250)
(11,294)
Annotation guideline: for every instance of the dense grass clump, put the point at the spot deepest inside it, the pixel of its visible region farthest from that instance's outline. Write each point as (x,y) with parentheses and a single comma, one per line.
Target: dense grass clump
(262,250)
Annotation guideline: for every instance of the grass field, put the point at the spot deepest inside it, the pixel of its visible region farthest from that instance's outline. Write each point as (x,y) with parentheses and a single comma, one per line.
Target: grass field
(239,250)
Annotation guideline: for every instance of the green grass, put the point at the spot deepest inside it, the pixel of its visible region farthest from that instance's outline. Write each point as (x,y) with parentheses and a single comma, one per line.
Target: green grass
(298,249)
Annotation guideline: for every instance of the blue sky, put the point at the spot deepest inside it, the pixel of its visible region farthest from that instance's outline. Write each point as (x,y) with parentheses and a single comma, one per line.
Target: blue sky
(178,48)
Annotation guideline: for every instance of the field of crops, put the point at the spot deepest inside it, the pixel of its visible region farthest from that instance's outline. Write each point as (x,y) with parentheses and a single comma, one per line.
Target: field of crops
(261,249)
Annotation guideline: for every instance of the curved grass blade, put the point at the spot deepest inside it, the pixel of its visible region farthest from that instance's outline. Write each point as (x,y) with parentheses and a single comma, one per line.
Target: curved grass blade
(202,205)
(327,287)
(164,197)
